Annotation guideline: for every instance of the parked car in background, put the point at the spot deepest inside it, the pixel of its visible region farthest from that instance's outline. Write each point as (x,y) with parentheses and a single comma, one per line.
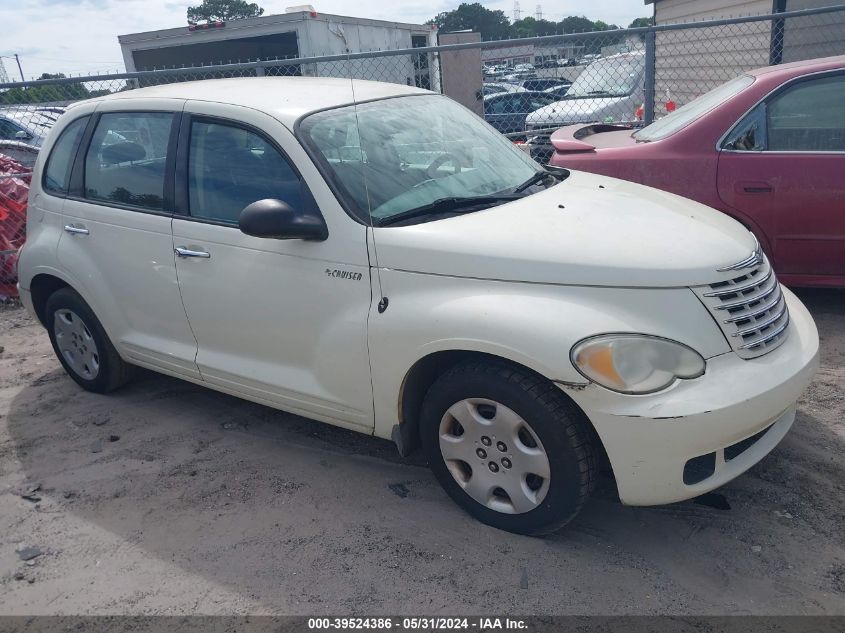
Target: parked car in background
(28,124)
(507,111)
(547,63)
(493,87)
(608,90)
(767,148)
(559,91)
(564,62)
(518,323)
(588,59)
(542,84)
(519,75)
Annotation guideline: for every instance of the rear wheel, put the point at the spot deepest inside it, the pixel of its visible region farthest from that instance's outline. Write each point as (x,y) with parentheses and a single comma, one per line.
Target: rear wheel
(81,344)
(508,447)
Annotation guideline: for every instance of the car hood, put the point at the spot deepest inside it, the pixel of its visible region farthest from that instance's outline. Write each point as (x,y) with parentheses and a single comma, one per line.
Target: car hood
(570,111)
(588,230)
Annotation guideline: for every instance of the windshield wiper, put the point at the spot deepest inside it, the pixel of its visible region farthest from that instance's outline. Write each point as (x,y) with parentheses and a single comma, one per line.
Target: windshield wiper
(542,174)
(447,205)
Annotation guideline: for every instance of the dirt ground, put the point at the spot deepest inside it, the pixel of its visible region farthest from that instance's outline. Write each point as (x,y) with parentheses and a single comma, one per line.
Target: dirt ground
(168,498)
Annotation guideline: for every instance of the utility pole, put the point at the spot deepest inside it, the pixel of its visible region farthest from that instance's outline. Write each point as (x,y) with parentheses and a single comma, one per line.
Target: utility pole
(18,59)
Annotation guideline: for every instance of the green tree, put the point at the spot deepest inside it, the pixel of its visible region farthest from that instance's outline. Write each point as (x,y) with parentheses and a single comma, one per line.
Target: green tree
(50,93)
(530,27)
(224,10)
(476,17)
(577,24)
(641,22)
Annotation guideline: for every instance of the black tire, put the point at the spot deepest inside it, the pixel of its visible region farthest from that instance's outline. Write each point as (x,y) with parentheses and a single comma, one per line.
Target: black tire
(112,371)
(561,427)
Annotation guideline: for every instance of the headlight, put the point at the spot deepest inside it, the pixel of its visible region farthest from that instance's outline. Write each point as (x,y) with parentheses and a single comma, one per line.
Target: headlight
(635,363)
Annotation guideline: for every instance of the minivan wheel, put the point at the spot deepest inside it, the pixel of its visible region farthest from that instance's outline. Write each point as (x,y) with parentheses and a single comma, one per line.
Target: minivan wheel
(81,344)
(508,447)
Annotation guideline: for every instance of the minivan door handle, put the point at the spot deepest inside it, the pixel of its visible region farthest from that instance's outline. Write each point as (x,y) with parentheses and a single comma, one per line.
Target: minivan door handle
(181,251)
(76,230)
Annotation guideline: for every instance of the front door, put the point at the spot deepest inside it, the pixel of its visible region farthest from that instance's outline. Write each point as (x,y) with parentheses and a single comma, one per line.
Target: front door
(783,167)
(283,322)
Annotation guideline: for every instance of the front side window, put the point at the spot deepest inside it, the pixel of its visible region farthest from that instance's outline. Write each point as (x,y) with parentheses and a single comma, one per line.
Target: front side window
(230,167)
(60,162)
(125,163)
(394,155)
(750,134)
(808,117)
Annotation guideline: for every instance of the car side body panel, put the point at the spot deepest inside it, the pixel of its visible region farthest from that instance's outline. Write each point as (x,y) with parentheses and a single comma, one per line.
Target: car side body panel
(534,325)
(689,164)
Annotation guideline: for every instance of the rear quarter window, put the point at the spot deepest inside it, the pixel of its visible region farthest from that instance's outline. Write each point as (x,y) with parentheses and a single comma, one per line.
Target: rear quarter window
(60,162)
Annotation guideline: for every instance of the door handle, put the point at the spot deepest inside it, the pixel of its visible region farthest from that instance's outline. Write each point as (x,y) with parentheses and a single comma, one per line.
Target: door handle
(181,251)
(754,187)
(76,230)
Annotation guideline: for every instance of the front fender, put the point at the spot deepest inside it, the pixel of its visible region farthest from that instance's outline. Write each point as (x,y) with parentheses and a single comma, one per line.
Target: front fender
(534,325)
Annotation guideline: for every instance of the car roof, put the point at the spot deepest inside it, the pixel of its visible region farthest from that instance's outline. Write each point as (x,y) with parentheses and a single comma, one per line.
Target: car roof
(286,98)
(798,68)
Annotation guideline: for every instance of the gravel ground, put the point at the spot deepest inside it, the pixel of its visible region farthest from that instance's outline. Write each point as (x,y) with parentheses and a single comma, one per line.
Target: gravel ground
(168,498)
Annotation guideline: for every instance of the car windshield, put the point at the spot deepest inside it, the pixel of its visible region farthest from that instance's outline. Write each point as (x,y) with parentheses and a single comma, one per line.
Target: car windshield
(693,111)
(609,77)
(390,156)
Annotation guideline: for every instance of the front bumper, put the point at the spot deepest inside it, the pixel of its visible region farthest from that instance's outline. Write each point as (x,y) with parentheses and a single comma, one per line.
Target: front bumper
(649,439)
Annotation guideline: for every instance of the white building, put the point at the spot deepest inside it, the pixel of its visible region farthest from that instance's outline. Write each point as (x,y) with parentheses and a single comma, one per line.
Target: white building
(298,33)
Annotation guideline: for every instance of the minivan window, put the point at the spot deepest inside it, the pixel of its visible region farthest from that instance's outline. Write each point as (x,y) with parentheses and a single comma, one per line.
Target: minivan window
(126,159)
(60,162)
(230,167)
(693,111)
(608,77)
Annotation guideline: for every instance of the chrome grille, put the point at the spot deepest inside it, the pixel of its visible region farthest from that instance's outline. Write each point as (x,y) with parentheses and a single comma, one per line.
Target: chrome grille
(750,309)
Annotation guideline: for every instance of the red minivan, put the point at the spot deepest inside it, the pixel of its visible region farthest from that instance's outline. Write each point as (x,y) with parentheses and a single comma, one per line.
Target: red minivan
(767,148)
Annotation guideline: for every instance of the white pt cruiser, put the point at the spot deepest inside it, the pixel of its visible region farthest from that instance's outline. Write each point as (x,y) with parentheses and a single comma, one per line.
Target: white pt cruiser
(377,257)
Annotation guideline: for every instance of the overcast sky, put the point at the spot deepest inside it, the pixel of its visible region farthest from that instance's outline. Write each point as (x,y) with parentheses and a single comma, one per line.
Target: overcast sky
(80,36)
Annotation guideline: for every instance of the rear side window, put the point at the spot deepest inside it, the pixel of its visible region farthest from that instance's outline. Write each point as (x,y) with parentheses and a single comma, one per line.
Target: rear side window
(126,160)
(230,167)
(60,162)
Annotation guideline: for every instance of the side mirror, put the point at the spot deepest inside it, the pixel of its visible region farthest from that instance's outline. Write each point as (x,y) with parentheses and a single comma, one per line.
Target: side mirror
(23,135)
(276,220)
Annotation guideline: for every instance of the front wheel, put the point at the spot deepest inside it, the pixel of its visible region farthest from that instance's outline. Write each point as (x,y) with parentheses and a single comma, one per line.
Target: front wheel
(508,447)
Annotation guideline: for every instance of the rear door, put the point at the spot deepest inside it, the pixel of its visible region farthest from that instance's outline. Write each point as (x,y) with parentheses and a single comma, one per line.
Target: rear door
(116,240)
(283,322)
(783,167)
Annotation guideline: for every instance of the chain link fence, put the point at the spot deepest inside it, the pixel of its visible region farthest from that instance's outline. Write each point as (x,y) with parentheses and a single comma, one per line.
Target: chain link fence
(525,88)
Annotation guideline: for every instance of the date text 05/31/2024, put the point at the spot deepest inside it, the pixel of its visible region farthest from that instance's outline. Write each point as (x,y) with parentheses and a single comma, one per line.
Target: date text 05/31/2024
(414,624)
